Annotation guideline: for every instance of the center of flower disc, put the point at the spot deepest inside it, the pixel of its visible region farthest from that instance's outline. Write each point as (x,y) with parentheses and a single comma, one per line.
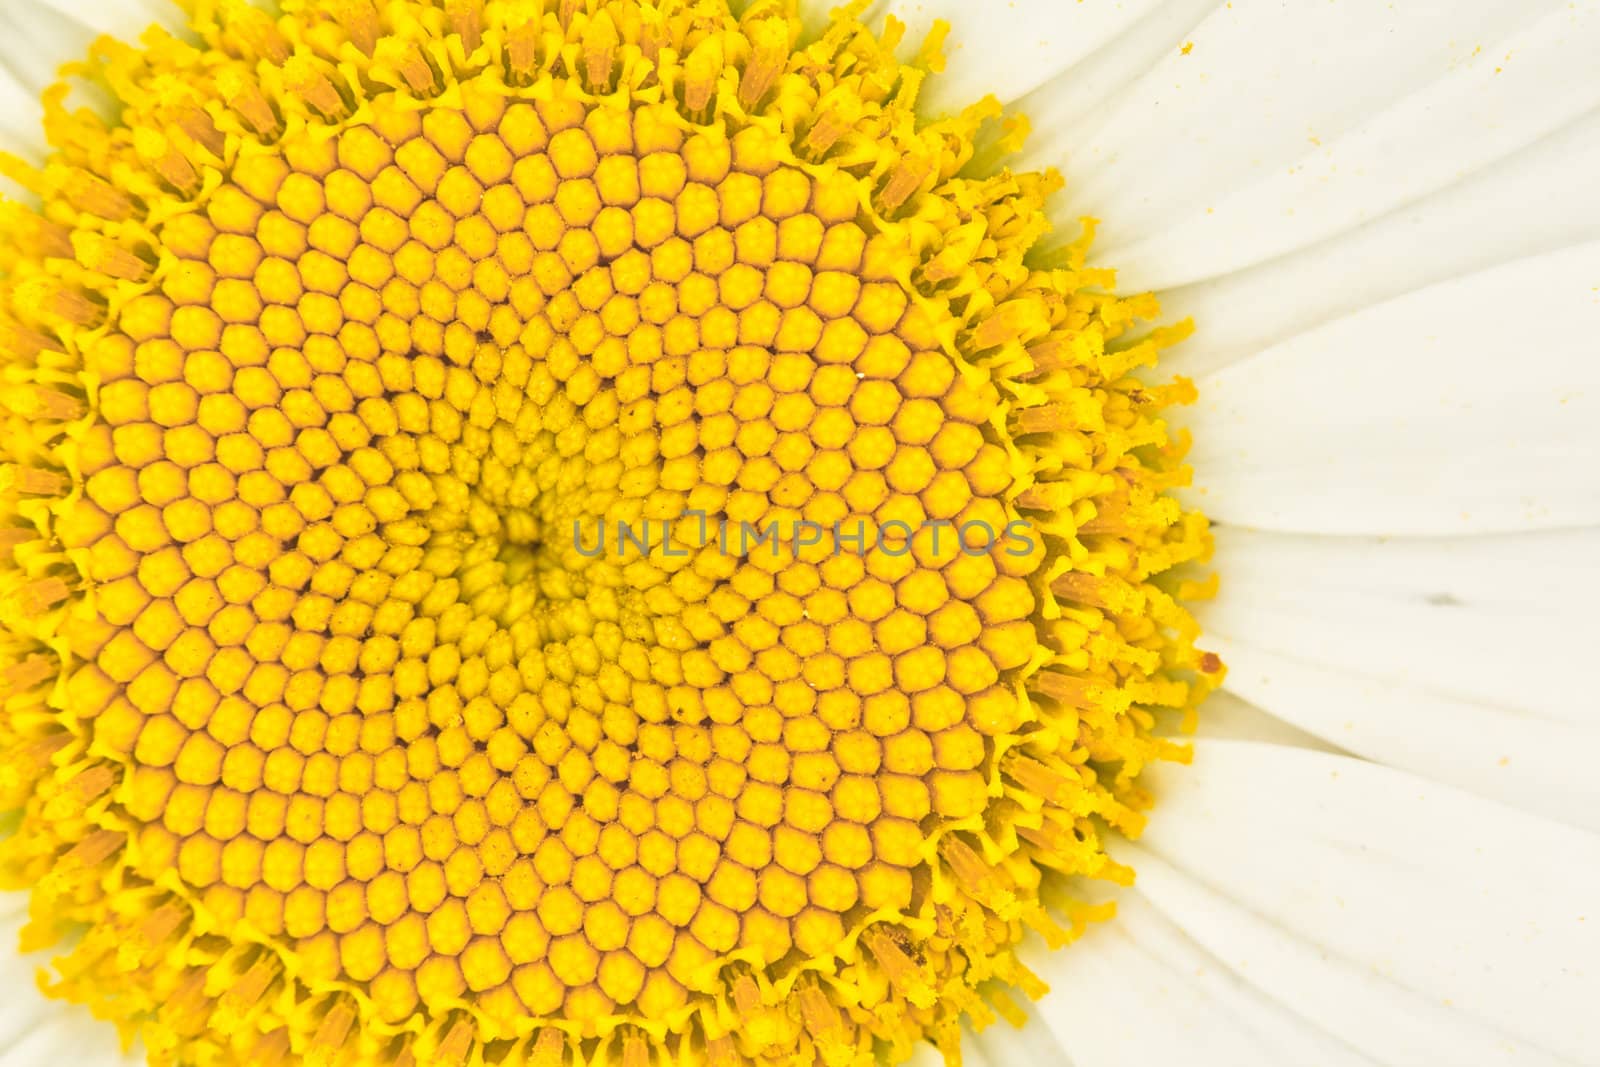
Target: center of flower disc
(563,533)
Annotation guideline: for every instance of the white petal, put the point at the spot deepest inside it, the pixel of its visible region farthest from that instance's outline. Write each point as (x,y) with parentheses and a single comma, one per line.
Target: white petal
(38,36)
(1059,108)
(19,126)
(1228,716)
(1421,924)
(1469,407)
(927,1055)
(1261,84)
(1537,201)
(34,42)
(1010,47)
(1465,659)
(35,1030)
(1491,107)
(1391,1024)
(126,19)
(1031,1045)
(1138,989)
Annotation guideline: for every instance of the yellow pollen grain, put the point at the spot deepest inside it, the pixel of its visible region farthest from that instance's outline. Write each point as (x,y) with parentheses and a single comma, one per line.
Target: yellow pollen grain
(325,363)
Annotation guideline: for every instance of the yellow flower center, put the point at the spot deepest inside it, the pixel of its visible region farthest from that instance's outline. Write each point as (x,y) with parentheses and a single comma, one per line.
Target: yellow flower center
(563,532)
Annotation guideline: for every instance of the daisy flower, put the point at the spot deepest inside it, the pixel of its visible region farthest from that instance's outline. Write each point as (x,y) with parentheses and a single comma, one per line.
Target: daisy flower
(644,532)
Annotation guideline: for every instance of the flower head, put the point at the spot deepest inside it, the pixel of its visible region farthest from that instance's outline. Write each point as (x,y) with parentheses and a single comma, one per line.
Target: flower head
(331,734)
